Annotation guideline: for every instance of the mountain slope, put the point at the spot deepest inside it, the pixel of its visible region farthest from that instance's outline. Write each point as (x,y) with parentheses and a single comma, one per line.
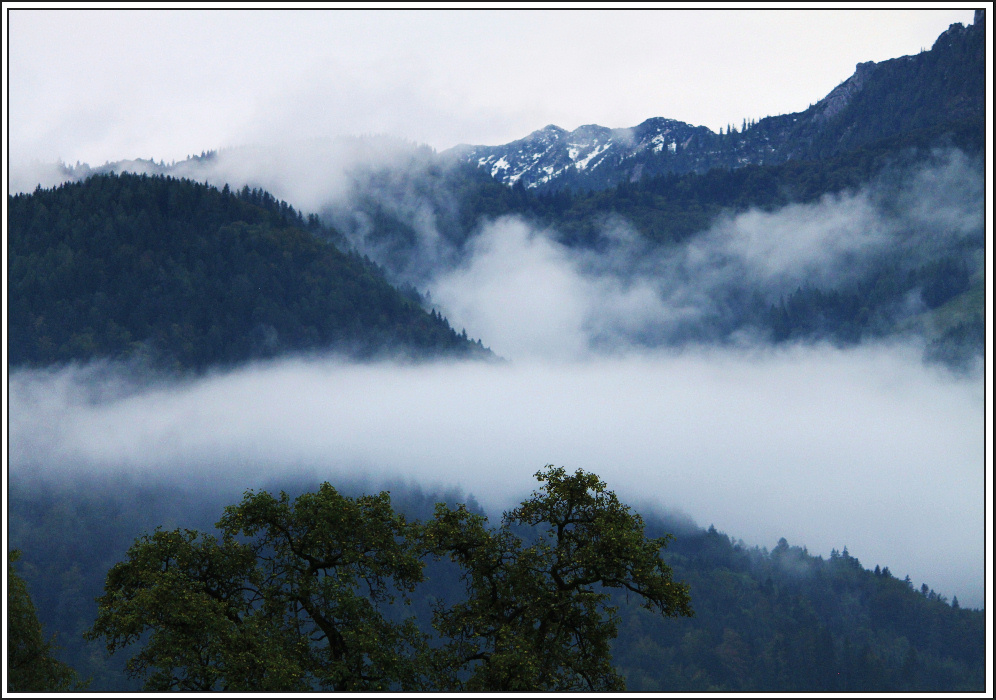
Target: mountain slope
(643,233)
(945,84)
(186,276)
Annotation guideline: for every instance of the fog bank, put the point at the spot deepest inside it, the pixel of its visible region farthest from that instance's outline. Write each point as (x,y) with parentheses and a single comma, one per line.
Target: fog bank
(865,448)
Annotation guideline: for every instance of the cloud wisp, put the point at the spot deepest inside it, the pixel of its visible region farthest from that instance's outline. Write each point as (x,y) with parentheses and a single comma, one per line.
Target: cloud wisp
(529,295)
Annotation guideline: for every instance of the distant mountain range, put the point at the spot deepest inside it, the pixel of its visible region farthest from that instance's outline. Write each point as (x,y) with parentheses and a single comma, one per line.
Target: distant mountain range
(944,85)
(414,212)
(878,101)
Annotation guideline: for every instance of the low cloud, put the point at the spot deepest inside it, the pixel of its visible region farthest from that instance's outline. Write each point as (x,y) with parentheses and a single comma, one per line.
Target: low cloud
(866,448)
(529,295)
(537,298)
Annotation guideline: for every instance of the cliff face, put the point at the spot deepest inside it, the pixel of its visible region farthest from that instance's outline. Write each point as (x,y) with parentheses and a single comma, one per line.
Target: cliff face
(841,96)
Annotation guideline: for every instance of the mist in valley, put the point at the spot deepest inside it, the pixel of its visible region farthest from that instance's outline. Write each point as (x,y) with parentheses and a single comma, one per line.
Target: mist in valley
(866,448)
(780,348)
(625,360)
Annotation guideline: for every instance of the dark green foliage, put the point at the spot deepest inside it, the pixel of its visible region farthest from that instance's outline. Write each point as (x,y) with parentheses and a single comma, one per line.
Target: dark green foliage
(31,663)
(289,598)
(74,533)
(183,276)
(790,622)
(536,614)
(293,595)
(764,621)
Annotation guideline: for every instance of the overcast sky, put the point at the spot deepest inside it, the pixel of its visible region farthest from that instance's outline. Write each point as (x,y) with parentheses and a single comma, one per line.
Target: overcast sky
(97,85)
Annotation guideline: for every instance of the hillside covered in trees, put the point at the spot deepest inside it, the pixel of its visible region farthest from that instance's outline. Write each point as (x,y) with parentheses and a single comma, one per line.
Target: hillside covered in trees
(925,278)
(886,135)
(764,621)
(180,275)
(920,92)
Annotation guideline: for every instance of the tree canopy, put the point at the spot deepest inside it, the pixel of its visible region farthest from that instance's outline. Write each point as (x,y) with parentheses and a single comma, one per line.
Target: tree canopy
(536,615)
(31,665)
(304,593)
(182,276)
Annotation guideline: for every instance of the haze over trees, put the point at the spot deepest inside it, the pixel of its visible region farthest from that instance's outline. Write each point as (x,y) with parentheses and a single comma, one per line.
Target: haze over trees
(342,591)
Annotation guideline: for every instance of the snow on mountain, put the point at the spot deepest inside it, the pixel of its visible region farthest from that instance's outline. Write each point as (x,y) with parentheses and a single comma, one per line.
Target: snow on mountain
(555,154)
(943,85)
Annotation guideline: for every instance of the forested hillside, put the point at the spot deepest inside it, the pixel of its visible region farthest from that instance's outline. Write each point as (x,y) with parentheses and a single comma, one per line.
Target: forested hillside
(922,275)
(779,620)
(669,209)
(881,137)
(941,86)
(785,620)
(180,275)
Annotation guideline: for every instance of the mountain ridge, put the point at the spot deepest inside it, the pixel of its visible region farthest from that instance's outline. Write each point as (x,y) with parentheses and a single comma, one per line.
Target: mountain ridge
(880,99)
(595,157)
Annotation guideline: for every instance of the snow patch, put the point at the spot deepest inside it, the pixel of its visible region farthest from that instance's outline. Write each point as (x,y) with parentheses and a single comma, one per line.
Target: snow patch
(583,163)
(502,164)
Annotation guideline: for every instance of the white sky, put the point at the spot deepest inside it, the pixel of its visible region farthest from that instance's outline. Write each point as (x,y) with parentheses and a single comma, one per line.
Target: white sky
(106,84)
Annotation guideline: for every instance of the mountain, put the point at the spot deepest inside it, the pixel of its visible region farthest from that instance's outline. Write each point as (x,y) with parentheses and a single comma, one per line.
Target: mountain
(419,214)
(185,276)
(594,156)
(920,271)
(936,87)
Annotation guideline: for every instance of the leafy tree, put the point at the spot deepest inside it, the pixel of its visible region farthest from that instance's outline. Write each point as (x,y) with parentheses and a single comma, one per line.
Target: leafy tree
(31,666)
(295,604)
(535,617)
(794,611)
(299,595)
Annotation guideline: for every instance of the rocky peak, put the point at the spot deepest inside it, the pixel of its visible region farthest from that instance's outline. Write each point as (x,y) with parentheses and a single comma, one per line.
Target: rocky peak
(838,98)
(589,133)
(548,134)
